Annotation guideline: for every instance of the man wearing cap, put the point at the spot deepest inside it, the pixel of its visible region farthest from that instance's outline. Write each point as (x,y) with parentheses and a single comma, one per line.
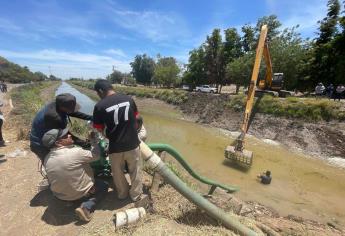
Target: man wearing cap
(69,173)
(54,115)
(116,113)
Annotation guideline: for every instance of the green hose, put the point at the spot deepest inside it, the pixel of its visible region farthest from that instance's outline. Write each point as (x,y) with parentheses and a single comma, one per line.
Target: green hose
(169,149)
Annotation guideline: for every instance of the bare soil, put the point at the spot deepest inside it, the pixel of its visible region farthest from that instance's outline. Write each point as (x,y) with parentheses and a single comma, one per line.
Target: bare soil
(321,139)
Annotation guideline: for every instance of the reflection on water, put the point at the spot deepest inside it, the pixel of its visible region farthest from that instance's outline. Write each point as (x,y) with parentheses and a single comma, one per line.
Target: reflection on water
(86,104)
(300,185)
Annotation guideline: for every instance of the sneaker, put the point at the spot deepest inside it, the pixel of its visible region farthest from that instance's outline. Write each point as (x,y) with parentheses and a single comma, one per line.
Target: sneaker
(84,214)
(43,185)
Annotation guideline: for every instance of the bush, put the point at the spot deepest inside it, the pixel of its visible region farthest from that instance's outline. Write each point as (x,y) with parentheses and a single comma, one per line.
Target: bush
(170,96)
(309,109)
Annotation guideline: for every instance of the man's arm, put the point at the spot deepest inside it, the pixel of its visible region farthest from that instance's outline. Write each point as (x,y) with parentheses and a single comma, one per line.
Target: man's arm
(80,115)
(98,122)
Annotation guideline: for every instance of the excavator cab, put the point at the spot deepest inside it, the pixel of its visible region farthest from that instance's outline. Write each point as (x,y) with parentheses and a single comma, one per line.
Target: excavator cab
(277,81)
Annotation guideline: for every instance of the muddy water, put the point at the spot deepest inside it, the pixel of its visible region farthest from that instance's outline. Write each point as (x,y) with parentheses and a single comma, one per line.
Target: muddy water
(301,186)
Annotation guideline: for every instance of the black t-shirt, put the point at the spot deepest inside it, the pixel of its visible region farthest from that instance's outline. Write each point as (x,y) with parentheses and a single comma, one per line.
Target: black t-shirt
(117,113)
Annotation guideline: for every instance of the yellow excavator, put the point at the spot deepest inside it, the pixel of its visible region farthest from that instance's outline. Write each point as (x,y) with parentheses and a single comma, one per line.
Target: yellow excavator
(271,84)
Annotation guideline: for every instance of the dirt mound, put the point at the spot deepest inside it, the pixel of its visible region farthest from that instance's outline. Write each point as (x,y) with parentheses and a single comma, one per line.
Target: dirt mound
(323,139)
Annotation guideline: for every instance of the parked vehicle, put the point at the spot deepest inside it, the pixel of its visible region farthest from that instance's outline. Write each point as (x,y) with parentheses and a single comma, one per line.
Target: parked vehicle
(206,89)
(186,87)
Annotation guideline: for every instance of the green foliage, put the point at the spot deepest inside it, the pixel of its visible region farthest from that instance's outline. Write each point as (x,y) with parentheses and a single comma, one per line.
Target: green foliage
(172,96)
(288,44)
(143,69)
(232,45)
(196,69)
(215,58)
(231,61)
(166,72)
(309,109)
(116,77)
(13,73)
(239,70)
(328,59)
(248,38)
(27,101)
(272,23)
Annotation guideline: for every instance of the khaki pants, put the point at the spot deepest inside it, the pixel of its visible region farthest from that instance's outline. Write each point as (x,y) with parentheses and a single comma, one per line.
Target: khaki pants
(134,163)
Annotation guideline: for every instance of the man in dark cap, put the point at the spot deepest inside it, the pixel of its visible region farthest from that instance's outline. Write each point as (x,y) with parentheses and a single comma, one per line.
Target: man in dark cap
(54,115)
(116,114)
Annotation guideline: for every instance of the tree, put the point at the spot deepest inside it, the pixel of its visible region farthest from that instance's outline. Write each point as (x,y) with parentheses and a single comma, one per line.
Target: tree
(143,69)
(116,77)
(14,73)
(339,49)
(54,78)
(196,69)
(215,59)
(166,71)
(40,76)
(248,39)
(323,68)
(288,51)
(232,45)
(272,23)
(240,69)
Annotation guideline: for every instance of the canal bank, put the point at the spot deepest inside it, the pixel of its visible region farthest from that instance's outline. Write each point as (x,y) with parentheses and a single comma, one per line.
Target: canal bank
(301,185)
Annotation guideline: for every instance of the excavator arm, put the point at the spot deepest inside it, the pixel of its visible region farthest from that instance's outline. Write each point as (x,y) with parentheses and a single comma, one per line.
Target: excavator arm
(237,152)
(267,82)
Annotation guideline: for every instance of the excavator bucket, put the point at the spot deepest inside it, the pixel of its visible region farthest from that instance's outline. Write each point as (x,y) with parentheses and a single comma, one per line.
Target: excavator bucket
(244,157)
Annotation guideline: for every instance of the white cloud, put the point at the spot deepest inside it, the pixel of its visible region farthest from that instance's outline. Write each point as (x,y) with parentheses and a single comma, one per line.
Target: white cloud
(67,64)
(115,52)
(8,25)
(156,26)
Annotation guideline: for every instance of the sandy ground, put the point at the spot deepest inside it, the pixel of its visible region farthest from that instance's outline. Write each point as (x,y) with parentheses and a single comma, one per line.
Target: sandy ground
(25,211)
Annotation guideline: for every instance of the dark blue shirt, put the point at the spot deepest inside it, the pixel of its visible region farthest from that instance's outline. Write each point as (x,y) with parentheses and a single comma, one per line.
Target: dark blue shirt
(49,118)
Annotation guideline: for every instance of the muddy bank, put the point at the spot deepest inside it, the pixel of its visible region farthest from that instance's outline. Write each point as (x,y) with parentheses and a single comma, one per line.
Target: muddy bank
(322,139)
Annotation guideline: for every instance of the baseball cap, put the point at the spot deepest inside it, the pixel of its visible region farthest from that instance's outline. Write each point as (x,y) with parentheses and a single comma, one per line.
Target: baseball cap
(50,137)
(103,84)
(66,100)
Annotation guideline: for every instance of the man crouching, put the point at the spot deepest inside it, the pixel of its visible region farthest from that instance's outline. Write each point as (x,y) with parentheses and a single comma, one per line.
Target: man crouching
(69,173)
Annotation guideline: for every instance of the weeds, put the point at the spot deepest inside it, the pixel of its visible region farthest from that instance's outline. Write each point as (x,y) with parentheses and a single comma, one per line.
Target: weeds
(172,96)
(303,108)
(27,102)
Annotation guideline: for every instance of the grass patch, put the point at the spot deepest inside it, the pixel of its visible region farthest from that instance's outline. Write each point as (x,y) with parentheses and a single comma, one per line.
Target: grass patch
(27,102)
(309,109)
(172,96)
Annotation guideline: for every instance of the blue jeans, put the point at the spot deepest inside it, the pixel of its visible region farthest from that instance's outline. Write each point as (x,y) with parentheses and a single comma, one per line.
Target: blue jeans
(101,189)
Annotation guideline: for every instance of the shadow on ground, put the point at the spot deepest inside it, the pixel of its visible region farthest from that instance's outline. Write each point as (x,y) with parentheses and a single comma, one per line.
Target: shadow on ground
(60,212)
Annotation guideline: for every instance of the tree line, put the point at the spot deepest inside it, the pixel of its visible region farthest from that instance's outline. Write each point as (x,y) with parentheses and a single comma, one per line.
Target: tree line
(227,57)
(13,73)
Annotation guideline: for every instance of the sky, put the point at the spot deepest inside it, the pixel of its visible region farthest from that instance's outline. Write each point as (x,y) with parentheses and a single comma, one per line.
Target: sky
(86,38)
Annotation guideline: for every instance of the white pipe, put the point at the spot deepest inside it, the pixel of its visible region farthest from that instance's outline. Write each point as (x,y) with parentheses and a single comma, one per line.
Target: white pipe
(129,216)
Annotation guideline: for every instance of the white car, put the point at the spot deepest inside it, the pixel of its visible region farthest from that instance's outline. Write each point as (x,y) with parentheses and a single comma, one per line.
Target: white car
(206,89)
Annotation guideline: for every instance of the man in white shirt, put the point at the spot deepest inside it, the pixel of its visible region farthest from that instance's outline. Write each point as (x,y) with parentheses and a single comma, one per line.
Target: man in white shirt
(69,173)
